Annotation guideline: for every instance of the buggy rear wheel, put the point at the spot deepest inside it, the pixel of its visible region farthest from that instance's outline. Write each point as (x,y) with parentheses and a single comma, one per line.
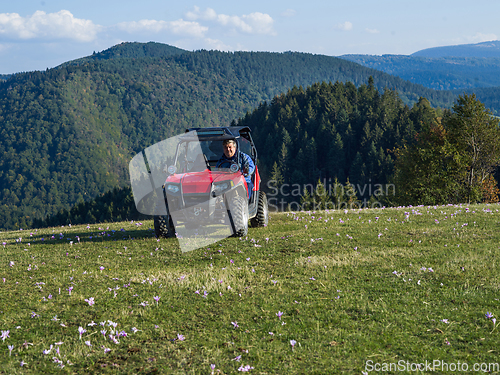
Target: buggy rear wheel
(262,217)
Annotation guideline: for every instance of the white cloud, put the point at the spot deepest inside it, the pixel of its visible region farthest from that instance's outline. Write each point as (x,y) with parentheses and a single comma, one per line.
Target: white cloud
(207,15)
(178,27)
(217,45)
(372,31)
(260,23)
(346,26)
(253,23)
(289,13)
(40,25)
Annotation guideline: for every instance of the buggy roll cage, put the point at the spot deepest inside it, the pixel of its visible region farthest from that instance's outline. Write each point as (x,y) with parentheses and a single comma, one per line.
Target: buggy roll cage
(223,133)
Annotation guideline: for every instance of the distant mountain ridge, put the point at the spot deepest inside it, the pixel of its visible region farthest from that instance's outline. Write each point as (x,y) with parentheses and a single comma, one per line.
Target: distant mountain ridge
(441,73)
(484,49)
(459,67)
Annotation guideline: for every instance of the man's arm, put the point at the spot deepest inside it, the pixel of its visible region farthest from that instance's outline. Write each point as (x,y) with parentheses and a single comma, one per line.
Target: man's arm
(248,163)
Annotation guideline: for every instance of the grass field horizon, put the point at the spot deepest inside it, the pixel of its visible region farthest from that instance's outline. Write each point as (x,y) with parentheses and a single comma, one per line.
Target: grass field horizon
(339,291)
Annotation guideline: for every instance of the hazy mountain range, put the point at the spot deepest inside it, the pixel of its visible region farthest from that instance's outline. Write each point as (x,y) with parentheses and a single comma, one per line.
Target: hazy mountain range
(442,68)
(484,49)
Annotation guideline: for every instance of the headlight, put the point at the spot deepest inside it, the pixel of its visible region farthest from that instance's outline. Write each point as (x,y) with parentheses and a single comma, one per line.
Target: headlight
(222,186)
(173,188)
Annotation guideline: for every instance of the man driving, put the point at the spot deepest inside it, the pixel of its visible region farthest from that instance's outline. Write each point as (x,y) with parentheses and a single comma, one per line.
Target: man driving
(234,156)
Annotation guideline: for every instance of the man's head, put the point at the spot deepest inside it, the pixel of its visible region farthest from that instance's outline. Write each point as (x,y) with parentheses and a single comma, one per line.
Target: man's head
(229,146)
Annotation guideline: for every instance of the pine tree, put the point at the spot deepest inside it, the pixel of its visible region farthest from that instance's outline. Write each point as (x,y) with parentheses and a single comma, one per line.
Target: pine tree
(357,171)
(306,201)
(337,194)
(350,192)
(321,198)
(284,156)
(276,179)
(336,159)
(311,158)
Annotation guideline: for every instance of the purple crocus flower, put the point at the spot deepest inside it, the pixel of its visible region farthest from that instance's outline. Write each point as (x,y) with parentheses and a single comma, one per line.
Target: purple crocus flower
(5,335)
(245,368)
(81,331)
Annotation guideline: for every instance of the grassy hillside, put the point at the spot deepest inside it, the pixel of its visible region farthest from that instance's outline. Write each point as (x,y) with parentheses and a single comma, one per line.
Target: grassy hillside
(316,292)
(68,133)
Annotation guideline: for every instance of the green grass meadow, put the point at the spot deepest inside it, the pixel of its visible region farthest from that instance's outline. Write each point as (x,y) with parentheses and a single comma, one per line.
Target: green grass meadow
(357,291)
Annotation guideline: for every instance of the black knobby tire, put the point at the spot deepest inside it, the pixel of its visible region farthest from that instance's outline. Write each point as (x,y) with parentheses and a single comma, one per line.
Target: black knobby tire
(164,228)
(239,212)
(262,217)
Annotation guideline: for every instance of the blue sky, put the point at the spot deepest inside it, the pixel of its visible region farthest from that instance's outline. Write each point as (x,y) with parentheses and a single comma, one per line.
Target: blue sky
(40,34)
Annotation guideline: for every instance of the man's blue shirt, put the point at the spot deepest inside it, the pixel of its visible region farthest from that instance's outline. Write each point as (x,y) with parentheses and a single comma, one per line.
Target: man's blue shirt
(244,162)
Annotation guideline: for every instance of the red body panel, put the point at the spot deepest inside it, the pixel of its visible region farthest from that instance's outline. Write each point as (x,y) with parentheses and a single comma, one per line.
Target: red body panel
(256,185)
(200,182)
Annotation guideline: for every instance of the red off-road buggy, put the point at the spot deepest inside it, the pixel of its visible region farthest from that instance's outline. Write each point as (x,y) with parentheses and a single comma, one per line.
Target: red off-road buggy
(197,195)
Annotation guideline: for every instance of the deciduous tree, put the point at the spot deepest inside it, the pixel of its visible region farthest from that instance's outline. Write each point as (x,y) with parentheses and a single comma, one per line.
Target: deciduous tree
(475,133)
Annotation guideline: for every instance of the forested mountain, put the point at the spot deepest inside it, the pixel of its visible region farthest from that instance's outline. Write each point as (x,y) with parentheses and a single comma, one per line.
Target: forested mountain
(67,134)
(439,73)
(490,96)
(4,77)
